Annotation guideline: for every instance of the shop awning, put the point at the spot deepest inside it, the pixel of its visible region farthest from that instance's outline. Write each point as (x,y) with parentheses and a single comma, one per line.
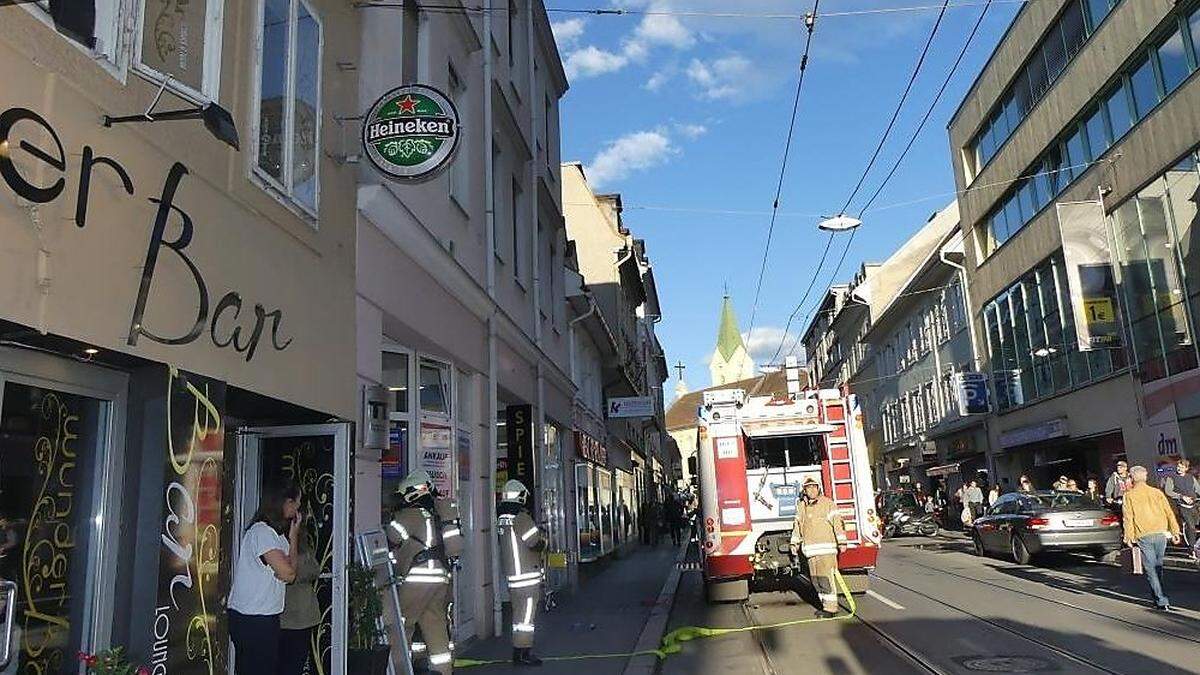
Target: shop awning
(943,470)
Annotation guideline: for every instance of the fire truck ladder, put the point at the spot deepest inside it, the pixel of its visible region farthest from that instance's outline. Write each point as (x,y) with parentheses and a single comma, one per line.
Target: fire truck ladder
(841,465)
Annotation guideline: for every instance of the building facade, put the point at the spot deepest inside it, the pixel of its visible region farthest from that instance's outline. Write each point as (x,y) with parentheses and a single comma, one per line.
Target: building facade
(1084,101)
(461,311)
(176,316)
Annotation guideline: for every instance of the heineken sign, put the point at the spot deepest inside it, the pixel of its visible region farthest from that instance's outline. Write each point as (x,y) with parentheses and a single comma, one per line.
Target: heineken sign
(411,132)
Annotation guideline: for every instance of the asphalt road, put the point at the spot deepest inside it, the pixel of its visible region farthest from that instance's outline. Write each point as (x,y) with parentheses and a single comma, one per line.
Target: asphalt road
(936,608)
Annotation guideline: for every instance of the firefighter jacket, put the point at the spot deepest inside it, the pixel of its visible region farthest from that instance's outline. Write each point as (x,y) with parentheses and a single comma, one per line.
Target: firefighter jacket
(415,534)
(818,528)
(521,543)
(447,513)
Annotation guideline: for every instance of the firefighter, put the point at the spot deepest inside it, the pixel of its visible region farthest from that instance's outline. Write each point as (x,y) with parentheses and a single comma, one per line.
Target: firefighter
(416,534)
(521,545)
(819,534)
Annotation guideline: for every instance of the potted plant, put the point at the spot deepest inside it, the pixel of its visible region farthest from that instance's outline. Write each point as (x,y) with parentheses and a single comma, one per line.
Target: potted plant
(110,662)
(368,652)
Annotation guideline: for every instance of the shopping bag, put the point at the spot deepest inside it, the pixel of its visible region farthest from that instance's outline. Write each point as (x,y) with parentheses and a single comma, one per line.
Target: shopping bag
(966,516)
(1131,560)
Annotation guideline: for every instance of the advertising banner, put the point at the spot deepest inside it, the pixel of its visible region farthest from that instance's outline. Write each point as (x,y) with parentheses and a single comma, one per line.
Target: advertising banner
(633,406)
(189,623)
(436,457)
(1090,280)
(519,428)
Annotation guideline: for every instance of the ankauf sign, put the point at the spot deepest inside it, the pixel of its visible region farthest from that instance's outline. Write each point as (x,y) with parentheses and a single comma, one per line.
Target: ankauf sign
(411,132)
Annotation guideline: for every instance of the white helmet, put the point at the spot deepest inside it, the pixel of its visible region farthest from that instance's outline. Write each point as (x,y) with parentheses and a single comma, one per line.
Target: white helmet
(515,491)
(414,486)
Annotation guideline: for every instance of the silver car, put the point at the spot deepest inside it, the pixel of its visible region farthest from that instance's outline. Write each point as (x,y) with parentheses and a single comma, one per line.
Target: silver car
(1024,524)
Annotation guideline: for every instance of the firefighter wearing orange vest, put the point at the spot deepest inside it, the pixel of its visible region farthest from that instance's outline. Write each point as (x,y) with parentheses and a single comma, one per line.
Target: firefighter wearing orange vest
(521,546)
(819,533)
(419,540)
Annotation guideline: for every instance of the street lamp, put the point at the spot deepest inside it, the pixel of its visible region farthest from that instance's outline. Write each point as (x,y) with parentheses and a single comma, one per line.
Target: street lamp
(839,223)
(1043,352)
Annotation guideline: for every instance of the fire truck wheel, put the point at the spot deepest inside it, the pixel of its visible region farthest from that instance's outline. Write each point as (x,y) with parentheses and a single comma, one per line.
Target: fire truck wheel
(727,591)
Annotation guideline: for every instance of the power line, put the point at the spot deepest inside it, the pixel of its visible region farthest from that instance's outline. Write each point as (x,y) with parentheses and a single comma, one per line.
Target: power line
(809,24)
(683,13)
(870,164)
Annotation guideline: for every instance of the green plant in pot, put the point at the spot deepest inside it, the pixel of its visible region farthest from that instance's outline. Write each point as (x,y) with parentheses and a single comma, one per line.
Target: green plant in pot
(368,651)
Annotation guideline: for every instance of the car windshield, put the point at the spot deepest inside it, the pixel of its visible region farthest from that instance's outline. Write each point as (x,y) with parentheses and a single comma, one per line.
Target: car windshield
(1059,500)
(899,501)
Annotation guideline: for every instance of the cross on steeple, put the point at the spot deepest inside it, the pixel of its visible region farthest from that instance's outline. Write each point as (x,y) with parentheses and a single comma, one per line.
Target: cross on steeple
(679,368)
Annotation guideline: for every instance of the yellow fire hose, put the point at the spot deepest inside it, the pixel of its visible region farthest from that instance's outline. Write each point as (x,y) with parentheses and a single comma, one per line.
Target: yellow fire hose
(672,643)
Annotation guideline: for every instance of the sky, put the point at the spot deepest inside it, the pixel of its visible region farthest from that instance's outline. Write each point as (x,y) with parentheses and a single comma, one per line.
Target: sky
(686,116)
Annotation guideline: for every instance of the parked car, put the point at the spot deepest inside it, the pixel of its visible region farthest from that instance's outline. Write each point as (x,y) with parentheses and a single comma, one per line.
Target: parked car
(1024,524)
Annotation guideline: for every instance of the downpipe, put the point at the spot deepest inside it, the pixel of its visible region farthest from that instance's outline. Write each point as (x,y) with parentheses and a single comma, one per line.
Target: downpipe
(489,170)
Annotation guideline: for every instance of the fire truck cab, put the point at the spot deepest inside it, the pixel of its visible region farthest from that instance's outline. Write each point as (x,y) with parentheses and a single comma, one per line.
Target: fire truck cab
(753,454)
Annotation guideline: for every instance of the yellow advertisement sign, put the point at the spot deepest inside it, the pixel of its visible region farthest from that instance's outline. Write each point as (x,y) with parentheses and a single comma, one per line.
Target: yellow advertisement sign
(1099,310)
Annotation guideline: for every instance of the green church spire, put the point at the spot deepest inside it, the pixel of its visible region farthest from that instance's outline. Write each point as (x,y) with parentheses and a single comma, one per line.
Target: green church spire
(729,338)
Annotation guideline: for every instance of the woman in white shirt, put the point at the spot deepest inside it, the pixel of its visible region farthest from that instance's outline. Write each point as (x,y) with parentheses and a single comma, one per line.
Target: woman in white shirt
(266,563)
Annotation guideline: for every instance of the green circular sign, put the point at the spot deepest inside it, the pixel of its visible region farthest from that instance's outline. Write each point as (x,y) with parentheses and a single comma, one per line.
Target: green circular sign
(411,132)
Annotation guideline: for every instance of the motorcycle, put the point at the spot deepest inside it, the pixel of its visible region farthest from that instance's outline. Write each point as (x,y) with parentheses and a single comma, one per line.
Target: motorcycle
(903,522)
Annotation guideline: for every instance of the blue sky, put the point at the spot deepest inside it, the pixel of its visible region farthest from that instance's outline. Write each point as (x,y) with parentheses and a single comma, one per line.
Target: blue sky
(686,117)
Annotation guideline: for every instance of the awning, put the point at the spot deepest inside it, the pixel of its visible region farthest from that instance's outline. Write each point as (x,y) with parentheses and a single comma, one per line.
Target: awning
(943,470)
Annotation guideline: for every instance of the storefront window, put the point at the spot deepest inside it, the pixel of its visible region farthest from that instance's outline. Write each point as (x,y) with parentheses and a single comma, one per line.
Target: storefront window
(395,378)
(587,519)
(604,500)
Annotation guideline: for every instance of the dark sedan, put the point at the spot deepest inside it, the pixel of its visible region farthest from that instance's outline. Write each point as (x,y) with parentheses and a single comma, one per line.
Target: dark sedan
(1024,524)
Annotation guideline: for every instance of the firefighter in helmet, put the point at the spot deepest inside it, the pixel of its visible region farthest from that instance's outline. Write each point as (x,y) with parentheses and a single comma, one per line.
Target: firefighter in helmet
(819,534)
(521,544)
(416,534)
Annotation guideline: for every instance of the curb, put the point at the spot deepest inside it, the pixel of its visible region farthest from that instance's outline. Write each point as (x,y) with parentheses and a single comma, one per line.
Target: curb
(656,624)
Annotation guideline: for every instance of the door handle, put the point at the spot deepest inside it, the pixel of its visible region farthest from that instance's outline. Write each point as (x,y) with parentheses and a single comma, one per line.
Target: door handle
(9,589)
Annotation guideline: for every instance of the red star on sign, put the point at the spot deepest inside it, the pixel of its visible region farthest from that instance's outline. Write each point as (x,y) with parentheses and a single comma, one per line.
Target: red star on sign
(408,105)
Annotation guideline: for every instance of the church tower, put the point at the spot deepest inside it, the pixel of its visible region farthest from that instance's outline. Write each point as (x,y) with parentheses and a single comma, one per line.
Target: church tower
(730,362)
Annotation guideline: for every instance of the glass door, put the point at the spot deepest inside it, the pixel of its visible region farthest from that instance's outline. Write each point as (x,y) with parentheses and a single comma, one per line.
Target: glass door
(315,458)
(60,431)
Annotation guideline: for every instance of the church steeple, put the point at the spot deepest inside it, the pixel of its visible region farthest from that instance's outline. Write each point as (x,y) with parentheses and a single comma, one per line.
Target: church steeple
(731,361)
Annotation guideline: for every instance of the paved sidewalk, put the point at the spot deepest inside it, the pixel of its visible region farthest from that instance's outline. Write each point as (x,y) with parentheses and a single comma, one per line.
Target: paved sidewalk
(605,616)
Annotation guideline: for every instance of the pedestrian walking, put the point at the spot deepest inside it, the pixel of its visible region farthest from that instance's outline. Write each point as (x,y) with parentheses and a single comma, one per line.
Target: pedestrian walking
(1118,483)
(819,533)
(973,496)
(1183,489)
(1149,524)
(674,519)
(301,610)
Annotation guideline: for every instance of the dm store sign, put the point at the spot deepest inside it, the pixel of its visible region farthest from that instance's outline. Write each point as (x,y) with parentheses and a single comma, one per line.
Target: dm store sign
(411,132)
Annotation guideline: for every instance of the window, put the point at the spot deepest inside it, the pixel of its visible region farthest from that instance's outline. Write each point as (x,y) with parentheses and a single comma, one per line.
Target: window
(1097,10)
(1098,137)
(1193,22)
(435,387)
(181,40)
(497,245)
(1173,62)
(516,230)
(289,101)
(395,378)
(1119,115)
(1144,88)
(1077,154)
(1074,32)
(459,179)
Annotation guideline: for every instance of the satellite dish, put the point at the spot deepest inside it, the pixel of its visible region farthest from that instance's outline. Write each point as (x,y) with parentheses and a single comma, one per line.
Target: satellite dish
(839,223)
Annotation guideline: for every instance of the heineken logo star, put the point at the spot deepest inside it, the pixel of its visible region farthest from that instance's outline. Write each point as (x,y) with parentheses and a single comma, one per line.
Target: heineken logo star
(408,105)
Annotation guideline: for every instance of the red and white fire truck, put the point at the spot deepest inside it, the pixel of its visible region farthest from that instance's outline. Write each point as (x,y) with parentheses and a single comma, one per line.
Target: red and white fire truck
(753,453)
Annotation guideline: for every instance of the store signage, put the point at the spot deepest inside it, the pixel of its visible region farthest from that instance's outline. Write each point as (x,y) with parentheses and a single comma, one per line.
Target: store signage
(437,459)
(591,449)
(411,132)
(228,327)
(1034,433)
(1088,262)
(519,428)
(634,406)
(972,391)
(185,638)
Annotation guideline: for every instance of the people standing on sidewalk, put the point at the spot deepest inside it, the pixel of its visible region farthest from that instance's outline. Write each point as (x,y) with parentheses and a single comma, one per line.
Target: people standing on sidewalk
(819,533)
(416,536)
(1149,524)
(1118,483)
(521,546)
(1183,489)
(674,518)
(1025,484)
(266,562)
(1093,491)
(973,496)
(993,494)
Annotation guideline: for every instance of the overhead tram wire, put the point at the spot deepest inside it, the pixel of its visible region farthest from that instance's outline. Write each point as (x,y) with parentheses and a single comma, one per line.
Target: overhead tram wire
(858,186)
(810,22)
(682,13)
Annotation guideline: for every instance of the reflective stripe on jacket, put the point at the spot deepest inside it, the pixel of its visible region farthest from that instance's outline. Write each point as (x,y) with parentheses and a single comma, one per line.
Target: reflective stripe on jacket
(416,543)
(818,528)
(520,538)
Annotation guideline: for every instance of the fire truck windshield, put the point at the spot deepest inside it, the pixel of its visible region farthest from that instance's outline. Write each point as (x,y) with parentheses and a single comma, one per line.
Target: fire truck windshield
(780,452)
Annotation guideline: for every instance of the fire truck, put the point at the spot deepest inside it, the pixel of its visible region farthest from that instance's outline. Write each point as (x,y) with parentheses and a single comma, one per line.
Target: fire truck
(753,454)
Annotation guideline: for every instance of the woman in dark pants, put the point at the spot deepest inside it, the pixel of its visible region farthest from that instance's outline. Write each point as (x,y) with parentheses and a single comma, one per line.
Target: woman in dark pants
(301,613)
(266,562)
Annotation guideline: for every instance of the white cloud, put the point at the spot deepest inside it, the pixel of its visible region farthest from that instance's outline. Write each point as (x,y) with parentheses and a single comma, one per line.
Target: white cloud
(632,152)
(726,78)
(691,131)
(591,61)
(567,32)
(658,79)
(659,29)
(763,341)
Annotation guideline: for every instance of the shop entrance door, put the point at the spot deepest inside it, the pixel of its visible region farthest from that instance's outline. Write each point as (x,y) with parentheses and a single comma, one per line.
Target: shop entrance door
(61,431)
(315,458)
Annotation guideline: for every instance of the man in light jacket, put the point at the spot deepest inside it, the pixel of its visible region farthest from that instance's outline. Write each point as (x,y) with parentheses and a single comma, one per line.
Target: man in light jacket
(1149,524)
(819,533)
